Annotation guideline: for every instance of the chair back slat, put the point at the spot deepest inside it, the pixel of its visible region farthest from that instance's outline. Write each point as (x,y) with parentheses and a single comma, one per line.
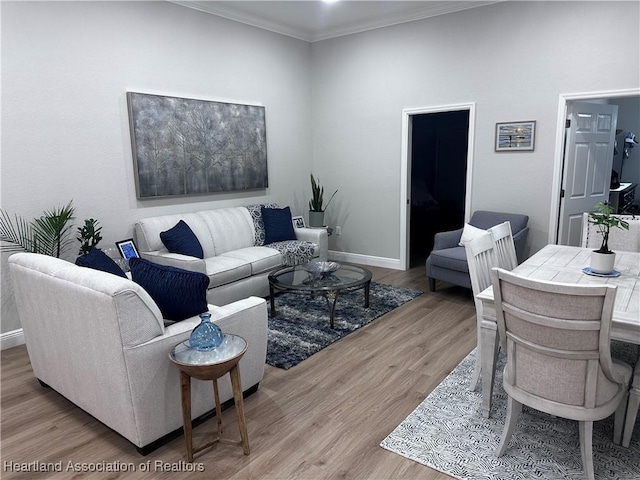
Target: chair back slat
(504,246)
(481,258)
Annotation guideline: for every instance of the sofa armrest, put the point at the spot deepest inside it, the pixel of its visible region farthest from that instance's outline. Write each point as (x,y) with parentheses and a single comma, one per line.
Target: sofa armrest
(448,239)
(318,236)
(176,260)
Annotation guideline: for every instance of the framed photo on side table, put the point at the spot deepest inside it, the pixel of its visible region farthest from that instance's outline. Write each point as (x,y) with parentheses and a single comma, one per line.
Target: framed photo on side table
(515,136)
(298,222)
(127,249)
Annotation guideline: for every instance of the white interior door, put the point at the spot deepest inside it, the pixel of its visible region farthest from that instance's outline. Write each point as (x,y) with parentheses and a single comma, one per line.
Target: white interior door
(587,164)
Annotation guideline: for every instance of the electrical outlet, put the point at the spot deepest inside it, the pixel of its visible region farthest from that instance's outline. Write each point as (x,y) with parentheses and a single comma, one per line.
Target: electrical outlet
(338,230)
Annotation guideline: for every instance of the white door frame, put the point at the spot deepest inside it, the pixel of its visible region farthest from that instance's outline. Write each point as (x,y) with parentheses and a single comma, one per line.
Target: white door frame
(559,153)
(405,174)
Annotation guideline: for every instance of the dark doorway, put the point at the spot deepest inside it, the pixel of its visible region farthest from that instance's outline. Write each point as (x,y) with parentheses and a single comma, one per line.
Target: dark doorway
(439,145)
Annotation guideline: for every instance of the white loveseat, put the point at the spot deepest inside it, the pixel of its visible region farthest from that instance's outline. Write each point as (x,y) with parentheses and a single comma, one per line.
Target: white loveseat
(100,341)
(235,259)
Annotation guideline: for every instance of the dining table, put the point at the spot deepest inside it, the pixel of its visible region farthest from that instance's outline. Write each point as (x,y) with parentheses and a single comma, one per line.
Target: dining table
(569,265)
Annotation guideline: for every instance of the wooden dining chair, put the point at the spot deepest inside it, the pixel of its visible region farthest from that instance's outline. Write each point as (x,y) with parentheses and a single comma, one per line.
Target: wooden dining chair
(632,407)
(503,245)
(481,258)
(558,359)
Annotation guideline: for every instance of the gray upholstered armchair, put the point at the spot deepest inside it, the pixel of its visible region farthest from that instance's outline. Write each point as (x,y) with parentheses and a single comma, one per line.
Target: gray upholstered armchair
(448,261)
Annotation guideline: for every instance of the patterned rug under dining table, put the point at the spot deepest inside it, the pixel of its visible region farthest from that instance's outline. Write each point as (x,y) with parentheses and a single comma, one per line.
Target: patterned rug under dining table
(564,264)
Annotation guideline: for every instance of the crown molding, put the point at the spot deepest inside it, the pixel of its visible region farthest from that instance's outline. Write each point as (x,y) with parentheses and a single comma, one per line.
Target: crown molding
(429,9)
(434,9)
(241,16)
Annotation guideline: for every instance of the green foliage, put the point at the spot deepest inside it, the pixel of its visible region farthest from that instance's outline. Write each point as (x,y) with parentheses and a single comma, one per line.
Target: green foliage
(317,197)
(602,217)
(48,234)
(89,236)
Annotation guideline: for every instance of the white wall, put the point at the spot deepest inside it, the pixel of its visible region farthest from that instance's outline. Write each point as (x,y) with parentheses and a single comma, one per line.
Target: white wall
(332,107)
(65,135)
(513,59)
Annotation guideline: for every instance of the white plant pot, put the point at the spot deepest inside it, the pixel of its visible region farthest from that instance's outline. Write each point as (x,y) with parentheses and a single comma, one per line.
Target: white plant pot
(602,262)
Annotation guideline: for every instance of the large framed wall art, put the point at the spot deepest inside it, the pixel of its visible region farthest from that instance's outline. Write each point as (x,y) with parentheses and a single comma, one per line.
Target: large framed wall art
(185,147)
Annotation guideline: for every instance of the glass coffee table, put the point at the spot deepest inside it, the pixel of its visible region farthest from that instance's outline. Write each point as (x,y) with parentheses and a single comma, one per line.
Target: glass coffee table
(299,280)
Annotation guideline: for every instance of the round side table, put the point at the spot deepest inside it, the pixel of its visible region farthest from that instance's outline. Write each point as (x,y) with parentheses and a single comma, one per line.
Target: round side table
(211,365)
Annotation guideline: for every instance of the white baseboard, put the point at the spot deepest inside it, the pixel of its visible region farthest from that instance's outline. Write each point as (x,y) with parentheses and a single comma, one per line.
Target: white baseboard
(392,263)
(11,339)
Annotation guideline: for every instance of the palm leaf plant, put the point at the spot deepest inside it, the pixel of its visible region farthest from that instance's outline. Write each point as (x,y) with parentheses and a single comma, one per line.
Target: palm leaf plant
(48,234)
(604,220)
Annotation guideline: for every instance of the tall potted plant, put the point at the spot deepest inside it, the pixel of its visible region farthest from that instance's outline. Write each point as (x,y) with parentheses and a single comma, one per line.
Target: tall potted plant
(316,207)
(603,259)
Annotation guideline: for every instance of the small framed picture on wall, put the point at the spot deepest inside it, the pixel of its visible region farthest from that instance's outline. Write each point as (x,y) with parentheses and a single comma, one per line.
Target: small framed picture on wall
(298,222)
(515,136)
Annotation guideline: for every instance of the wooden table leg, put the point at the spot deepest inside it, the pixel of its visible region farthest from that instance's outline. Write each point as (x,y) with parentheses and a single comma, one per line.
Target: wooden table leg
(216,396)
(237,397)
(185,392)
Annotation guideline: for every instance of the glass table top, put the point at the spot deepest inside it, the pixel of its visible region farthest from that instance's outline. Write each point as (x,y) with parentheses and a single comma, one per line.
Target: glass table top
(299,278)
(231,347)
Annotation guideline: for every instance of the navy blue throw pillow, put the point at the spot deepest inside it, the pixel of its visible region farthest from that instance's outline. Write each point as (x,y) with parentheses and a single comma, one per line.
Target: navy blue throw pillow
(181,239)
(277,225)
(178,293)
(98,260)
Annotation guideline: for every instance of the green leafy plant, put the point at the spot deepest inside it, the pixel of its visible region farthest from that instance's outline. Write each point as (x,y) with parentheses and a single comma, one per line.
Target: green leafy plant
(48,234)
(317,197)
(602,217)
(89,236)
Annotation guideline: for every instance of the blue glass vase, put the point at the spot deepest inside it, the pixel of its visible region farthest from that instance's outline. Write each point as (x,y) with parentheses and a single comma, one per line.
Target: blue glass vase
(207,335)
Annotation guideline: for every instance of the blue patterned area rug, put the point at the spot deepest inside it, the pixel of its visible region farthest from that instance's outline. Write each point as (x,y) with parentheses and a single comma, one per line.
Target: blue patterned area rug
(300,326)
(448,433)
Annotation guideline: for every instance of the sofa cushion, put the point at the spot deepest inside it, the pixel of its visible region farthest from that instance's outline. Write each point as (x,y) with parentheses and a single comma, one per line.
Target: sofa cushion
(228,229)
(223,269)
(454,258)
(278,226)
(181,239)
(261,259)
(178,293)
(99,260)
(147,232)
(256,215)
(470,233)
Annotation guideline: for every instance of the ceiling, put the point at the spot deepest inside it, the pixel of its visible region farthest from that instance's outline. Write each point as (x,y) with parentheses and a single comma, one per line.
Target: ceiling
(312,20)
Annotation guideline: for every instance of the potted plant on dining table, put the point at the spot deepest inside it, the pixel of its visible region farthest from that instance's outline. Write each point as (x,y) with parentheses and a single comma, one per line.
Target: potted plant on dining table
(603,259)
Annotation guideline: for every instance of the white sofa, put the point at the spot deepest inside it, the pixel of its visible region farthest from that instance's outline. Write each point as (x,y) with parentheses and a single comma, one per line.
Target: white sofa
(100,341)
(235,260)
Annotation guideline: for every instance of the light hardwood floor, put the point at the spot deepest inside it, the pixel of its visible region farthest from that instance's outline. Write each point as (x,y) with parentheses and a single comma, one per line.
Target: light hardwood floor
(322,419)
